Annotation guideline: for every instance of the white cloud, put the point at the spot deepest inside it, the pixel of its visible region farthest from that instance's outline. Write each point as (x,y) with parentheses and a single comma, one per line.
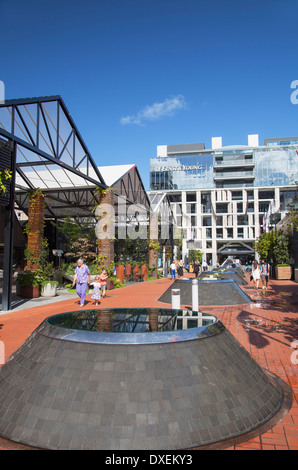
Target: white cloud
(156,111)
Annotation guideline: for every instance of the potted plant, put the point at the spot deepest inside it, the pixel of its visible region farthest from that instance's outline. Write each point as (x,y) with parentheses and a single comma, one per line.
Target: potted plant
(282,255)
(48,286)
(30,282)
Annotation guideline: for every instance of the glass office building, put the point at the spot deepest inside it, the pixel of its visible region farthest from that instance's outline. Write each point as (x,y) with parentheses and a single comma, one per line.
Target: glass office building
(219,196)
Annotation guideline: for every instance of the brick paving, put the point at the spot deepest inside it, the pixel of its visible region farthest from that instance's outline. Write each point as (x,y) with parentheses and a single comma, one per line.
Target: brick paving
(267,328)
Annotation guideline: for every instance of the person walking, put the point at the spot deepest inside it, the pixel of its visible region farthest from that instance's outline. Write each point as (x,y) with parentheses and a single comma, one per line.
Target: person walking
(173,270)
(103,282)
(81,279)
(265,271)
(256,274)
(180,269)
(96,289)
(196,268)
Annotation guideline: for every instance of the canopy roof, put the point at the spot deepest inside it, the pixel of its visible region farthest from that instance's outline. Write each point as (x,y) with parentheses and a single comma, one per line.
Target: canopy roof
(51,155)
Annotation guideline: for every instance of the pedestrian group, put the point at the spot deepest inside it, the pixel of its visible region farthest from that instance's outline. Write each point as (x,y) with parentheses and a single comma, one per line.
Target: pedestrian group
(260,273)
(82,280)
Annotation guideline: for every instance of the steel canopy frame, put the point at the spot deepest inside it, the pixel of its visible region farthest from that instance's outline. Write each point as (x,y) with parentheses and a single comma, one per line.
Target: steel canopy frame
(41,132)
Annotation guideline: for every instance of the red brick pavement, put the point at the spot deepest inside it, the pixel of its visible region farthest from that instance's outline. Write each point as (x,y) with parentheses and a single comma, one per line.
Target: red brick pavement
(266,328)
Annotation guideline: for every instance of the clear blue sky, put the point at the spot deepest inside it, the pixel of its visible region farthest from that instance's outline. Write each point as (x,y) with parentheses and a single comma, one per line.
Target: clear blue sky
(135,74)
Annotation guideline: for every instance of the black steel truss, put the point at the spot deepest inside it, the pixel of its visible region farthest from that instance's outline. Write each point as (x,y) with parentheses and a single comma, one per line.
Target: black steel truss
(46,135)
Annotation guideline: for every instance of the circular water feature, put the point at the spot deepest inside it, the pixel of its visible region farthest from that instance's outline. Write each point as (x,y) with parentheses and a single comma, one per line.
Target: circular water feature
(131,379)
(129,325)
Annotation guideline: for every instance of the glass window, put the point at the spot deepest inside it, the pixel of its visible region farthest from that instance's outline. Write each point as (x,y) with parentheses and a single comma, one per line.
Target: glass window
(236,195)
(175,197)
(219,220)
(191,197)
(209,233)
(207,221)
(242,220)
(221,207)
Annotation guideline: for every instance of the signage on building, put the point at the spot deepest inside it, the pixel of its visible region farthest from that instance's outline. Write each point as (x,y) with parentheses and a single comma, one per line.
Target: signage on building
(179,168)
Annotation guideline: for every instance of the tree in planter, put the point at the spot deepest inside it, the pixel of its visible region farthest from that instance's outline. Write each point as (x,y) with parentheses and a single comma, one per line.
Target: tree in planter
(82,248)
(195,255)
(281,248)
(264,245)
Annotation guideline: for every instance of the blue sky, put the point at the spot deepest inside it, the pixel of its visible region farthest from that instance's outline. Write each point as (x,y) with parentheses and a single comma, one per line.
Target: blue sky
(135,74)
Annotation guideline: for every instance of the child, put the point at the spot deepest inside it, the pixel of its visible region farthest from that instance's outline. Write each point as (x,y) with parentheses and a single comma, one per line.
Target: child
(103,282)
(96,289)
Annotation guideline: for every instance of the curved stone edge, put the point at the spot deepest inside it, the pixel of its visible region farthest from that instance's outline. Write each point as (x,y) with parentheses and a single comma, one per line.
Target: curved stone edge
(161,337)
(175,446)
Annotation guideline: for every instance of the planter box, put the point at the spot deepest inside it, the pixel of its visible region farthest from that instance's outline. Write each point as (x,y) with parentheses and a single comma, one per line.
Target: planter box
(29,292)
(48,290)
(120,273)
(127,272)
(283,272)
(136,273)
(144,272)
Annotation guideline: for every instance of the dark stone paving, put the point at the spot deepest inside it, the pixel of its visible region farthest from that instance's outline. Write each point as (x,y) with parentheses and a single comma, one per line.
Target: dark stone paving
(219,292)
(58,394)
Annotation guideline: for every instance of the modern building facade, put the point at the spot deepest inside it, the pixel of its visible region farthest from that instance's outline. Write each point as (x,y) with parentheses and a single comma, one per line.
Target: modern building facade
(219,196)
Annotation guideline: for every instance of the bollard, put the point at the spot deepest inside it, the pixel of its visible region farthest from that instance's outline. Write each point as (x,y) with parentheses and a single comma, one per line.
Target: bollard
(176,299)
(195,295)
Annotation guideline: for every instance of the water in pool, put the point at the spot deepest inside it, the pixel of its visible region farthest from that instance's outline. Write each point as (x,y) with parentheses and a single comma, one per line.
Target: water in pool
(121,320)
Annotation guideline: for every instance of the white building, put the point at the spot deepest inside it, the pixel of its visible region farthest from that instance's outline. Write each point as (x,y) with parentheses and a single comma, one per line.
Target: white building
(220,196)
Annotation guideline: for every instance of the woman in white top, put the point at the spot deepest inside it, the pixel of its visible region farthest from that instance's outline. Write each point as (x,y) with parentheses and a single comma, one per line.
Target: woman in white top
(256,273)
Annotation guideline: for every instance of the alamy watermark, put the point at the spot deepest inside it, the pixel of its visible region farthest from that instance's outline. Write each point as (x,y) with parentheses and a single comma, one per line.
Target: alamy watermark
(294,94)
(2,91)
(134,221)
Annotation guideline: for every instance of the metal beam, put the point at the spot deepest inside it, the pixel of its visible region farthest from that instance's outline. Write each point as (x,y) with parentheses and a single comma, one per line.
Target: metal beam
(52,159)
(9,238)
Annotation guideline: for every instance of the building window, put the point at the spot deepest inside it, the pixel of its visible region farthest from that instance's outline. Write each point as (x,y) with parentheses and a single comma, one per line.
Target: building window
(219,220)
(206,203)
(175,197)
(250,207)
(266,194)
(242,220)
(230,233)
(237,195)
(222,208)
(209,233)
(219,233)
(240,233)
(190,208)
(207,222)
(239,207)
(263,206)
(191,197)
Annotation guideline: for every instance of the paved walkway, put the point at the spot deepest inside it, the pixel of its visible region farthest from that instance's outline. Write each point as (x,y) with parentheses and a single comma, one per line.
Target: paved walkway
(267,328)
